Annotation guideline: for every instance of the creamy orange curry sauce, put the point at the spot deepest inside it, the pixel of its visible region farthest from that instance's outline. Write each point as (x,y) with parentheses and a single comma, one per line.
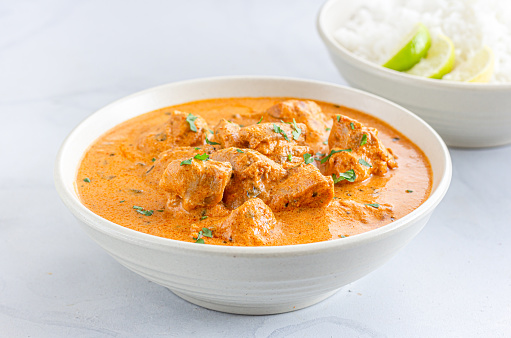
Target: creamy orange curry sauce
(253,171)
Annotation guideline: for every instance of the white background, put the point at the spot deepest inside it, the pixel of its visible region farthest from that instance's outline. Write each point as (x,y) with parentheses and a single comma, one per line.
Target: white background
(62,60)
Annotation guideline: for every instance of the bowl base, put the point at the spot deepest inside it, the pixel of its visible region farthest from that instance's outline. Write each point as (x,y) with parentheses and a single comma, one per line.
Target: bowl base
(255,309)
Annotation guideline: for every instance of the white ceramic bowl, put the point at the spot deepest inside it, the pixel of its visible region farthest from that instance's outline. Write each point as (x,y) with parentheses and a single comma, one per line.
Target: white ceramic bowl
(250,280)
(464,114)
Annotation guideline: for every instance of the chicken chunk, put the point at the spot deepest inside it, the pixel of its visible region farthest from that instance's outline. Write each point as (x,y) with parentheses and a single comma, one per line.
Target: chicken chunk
(304,186)
(253,223)
(308,113)
(253,175)
(182,129)
(281,142)
(198,184)
(227,134)
(155,171)
(355,146)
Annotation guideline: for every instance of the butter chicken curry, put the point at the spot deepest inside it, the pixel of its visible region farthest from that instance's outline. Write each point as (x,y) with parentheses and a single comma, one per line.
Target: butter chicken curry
(253,171)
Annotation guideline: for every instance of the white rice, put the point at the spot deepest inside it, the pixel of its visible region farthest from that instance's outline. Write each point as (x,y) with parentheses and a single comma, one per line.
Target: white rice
(375,30)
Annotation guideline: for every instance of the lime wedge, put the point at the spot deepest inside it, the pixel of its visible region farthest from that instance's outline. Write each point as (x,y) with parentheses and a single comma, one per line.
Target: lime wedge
(479,68)
(411,50)
(439,60)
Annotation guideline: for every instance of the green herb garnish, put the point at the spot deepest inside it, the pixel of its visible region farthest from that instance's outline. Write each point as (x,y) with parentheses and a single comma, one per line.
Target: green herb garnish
(260,120)
(338,118)
(153,159)
(142,211)
(409,191)
(210,142)
(296,133)
(202,157)
(122,201)
(328,129)
(364,162)
(364,140)
(308,158)
(289,157)
(279,130)
(203,217)
(333,151)
(374,205)
(352,126)
(191,121)
(239,151)
(86,179)
(349,176)
(205,232)
(188,161)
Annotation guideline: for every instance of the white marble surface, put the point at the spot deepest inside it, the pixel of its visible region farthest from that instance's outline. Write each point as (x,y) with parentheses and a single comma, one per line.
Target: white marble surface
(62,60)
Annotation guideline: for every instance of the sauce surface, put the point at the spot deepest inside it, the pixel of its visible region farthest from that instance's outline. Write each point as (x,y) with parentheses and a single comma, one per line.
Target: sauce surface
(119,174)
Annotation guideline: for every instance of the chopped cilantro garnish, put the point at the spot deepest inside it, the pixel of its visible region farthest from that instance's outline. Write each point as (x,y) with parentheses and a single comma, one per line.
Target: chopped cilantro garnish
(197,148)
(279,130)
(364,162)
(86,179)
(211,142)
(352,126)
(203,217)
(153,159)
(142,211)
(364,140)
(202,157)
(338,118)
(260,120)
(239,151)
(191,121)
(289,157)
(188,161)
(409,191)
(122,201)
(325,142)
(206,232)
(328,129)
(374,205)
(308,158)
(296,133)
(349,176)
(333,151)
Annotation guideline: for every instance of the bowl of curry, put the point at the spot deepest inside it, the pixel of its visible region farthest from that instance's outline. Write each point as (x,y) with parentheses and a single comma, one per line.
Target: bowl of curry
(252,195)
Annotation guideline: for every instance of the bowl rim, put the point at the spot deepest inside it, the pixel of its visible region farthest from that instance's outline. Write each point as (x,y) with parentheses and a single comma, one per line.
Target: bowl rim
(379,70)
(120,232)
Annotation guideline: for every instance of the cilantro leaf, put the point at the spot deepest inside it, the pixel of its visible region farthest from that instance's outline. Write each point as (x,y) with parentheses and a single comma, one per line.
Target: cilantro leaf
(349,176)
(363,140)
(202,157)
(260,120)
(279,130)
(296,133)
(207,232)
(333,151)
(364,162)
(188,161)
(374,205)
(308,158)
(191,121)
(211,142)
